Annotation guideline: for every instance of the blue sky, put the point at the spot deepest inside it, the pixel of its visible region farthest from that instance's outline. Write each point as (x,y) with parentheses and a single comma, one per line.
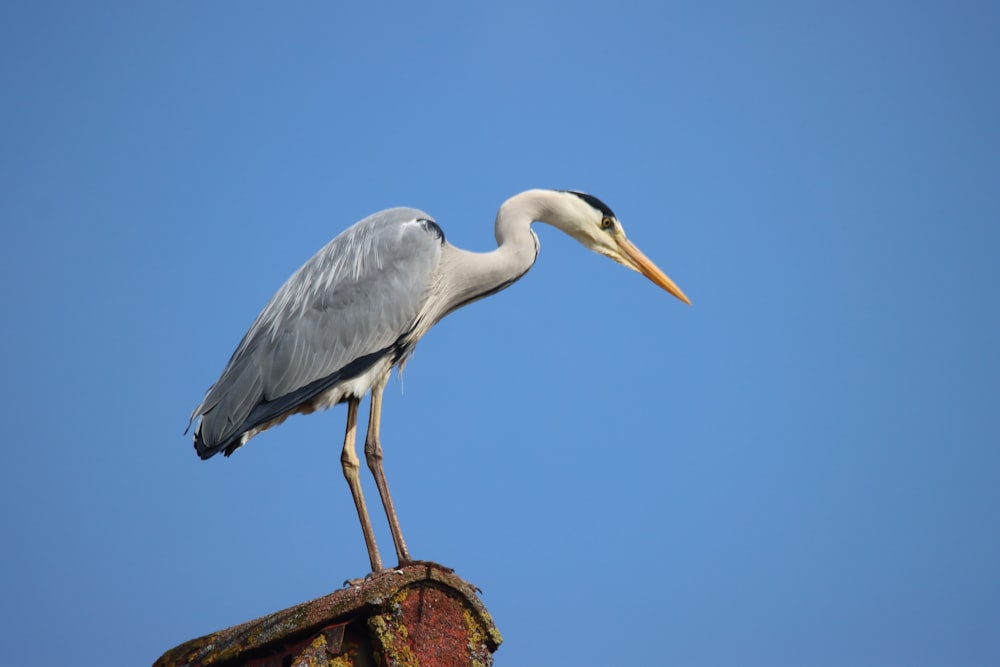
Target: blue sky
(802,468)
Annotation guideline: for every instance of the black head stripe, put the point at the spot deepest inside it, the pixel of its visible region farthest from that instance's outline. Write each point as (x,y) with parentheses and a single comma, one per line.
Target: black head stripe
(595,202)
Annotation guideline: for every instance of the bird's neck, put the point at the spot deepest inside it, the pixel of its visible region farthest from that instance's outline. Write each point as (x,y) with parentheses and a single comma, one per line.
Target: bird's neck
(477,275)
(517,213)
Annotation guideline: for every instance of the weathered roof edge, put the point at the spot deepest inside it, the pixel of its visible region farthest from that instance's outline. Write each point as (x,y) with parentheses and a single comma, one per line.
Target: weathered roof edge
(361,598)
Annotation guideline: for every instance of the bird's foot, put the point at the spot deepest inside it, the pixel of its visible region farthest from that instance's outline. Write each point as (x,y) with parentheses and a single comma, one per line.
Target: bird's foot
(358,581)
(351,583)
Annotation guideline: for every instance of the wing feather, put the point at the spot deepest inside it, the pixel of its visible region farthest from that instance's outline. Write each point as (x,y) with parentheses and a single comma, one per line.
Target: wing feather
(357,297)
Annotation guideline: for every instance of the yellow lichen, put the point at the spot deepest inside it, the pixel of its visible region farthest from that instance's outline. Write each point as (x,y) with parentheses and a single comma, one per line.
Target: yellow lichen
(314,655)
(392,637)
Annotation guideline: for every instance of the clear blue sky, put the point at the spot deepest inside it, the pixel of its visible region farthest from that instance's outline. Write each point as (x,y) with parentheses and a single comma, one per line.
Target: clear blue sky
(801,469)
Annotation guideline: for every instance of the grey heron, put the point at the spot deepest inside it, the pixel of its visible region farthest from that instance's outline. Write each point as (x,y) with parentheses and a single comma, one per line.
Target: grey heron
(334,331)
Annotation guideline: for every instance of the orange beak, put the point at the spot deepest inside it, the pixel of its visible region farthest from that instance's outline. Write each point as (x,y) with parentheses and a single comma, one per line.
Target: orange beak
(634,259)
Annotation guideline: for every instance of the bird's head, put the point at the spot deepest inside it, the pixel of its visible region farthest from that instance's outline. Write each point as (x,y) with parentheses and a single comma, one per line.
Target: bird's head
(591,222)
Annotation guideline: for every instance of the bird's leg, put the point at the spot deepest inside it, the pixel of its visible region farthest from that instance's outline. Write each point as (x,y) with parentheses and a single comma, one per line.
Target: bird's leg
(373,454)
(349,461)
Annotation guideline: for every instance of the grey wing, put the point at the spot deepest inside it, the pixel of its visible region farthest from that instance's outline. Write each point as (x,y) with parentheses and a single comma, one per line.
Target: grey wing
(351,304)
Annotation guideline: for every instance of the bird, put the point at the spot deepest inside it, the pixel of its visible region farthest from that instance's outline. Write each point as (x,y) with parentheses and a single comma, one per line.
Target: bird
(354,311)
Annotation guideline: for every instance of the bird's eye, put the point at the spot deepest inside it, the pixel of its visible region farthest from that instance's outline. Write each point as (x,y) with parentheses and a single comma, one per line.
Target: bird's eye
(607,223)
